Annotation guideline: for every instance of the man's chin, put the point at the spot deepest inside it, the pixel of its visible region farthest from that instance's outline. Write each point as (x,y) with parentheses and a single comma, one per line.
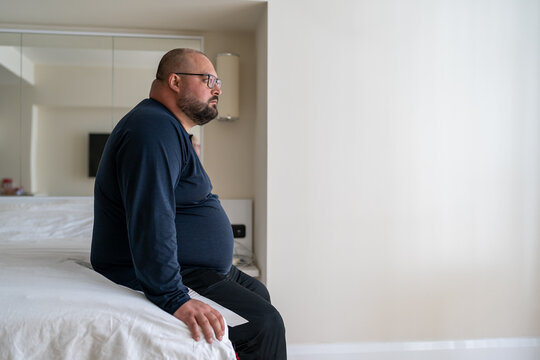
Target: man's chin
(206,120)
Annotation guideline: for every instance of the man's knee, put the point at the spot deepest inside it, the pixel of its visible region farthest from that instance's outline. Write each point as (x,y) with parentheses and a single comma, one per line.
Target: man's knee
(263,338)
(272,322)
(267,322)
(262,291)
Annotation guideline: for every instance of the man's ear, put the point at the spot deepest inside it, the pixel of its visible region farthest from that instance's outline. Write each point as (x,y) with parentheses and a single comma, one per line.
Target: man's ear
(174,82)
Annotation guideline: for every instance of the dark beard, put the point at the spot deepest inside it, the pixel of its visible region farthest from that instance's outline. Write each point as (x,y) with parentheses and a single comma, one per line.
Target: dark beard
(201,113)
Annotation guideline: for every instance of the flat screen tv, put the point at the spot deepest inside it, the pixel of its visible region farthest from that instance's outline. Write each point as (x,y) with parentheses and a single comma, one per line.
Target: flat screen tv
(96,144)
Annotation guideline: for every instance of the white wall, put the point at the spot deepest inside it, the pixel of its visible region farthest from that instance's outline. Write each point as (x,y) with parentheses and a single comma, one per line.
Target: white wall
(404,169)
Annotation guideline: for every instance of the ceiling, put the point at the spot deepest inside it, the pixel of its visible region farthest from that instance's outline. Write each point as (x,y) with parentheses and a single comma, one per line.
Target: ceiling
(155,15)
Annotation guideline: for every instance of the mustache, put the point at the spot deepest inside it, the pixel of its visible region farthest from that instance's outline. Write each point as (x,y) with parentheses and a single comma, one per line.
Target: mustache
(214,98)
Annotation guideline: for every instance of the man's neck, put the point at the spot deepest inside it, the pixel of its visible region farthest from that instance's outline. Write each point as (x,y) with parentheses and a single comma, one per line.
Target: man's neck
(186,122)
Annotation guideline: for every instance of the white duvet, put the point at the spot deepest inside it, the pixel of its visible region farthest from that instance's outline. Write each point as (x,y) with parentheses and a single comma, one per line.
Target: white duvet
(54,306)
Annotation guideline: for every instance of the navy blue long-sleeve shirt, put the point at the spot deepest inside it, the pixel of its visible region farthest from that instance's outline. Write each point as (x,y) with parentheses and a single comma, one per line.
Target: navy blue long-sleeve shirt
(153,208)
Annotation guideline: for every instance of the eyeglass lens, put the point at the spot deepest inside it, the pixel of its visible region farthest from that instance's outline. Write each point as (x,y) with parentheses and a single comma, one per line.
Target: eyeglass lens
(212,81)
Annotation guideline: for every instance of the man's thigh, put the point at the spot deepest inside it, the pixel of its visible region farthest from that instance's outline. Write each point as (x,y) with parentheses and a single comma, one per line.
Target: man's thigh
(236,291)
(240,294)
(248,282)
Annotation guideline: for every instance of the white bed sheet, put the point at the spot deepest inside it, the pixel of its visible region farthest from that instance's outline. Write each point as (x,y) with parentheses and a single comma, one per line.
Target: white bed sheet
(54,306)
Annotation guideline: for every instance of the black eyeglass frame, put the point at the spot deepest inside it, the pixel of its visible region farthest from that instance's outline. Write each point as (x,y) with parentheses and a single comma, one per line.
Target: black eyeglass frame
(217,80)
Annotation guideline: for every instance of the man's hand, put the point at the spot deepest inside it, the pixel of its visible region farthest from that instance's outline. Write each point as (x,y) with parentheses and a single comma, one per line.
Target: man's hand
(195,313)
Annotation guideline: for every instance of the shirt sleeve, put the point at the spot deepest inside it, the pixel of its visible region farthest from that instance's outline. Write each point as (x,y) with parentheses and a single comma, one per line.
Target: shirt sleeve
(149,164)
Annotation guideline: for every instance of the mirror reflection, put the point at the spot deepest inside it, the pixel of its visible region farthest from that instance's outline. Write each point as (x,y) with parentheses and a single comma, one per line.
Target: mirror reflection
(10,129)
(56,90)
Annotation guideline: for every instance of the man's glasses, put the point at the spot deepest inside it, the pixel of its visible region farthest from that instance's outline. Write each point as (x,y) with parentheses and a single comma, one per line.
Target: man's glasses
(211,80)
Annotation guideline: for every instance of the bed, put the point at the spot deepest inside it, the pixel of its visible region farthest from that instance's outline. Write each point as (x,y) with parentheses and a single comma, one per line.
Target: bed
(54,306)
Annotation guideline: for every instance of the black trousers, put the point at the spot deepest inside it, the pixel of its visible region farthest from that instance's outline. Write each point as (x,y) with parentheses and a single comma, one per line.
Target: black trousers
(263,337)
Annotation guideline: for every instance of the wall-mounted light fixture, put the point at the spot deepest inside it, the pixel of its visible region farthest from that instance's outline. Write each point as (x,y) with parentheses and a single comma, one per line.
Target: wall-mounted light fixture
(228,69)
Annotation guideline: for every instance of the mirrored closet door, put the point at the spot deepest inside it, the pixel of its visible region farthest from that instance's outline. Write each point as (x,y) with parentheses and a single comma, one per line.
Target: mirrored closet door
(58,89)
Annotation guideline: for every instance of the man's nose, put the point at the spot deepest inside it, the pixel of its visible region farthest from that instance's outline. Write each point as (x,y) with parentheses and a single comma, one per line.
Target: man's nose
(216,91)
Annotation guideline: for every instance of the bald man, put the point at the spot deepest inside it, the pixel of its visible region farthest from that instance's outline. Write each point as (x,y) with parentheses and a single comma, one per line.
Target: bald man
(157,226)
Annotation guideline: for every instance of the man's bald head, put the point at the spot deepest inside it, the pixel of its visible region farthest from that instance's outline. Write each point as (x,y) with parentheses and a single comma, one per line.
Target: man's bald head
(176,60)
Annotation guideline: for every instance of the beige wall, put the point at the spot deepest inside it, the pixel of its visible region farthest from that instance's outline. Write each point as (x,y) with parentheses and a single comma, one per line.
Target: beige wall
(260,148)
(404,169)
(228,146)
